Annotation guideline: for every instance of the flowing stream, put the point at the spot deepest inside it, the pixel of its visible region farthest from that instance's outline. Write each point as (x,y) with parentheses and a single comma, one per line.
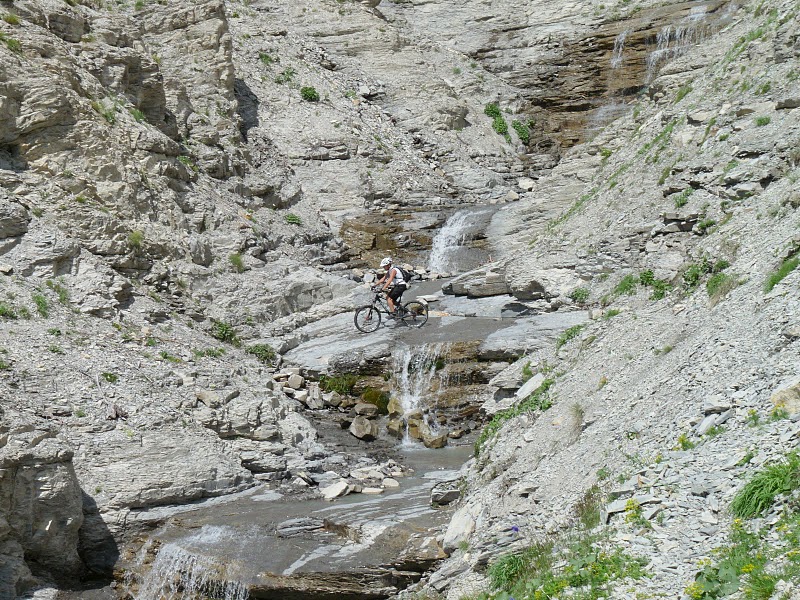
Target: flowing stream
(262,545)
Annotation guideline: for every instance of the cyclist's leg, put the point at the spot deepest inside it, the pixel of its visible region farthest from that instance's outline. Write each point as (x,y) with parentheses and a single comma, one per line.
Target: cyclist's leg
(394,297)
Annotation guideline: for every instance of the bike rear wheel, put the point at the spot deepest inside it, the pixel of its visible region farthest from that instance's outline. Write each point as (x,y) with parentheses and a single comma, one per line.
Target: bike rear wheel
(415,313)
(367,318)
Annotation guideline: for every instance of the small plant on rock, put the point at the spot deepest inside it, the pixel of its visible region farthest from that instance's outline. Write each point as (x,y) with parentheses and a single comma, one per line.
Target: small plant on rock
(236,262)
(762,121)
(341,384)
(135,239)
(42,306)
(309,94)
(568,335)
(110,377)
(263,352)
(579,295)
(225,332)
(626,286)
(292,219)
(787,266)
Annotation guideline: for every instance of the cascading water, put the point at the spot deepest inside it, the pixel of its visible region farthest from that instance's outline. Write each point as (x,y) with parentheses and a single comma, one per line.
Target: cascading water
(619,48)
(182,571)
(417,381)
(448,252)
(673,41)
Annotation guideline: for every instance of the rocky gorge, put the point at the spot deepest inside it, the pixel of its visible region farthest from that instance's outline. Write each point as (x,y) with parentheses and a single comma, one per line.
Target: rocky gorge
(599,202)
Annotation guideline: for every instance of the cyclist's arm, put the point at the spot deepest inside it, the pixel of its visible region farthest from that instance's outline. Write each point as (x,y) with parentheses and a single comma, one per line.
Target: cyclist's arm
(389,281)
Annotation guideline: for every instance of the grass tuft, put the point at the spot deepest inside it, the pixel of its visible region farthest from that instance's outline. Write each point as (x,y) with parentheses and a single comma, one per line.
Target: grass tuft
(759,494)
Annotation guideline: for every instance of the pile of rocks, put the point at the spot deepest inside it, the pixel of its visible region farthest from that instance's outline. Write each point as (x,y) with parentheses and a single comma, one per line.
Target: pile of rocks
(371,478)
(370,276)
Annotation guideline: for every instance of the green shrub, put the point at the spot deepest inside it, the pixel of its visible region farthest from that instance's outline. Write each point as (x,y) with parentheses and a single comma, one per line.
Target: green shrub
(587,509)
(499,125)
(695,272)
(212,352)
(647,278)
(682,199)
(224,332)
(719,284)
(759,494)
(492,110)
(787,266)
(55,349)
(110,377)
(704,225)
(42,306)
(7,311)
(11,19)
(579,295)
(538,400)
(169,357)
(109,114)
(292,219)
(13,45)
(627,285)
(286,76)
(309,94)
(610,314)
(137,114)
(135,238)
(266,58)
(683,92)
(341,384)
(527,372)
(263,352)
(236,262)
(523,132)
(762,121)
(568,335)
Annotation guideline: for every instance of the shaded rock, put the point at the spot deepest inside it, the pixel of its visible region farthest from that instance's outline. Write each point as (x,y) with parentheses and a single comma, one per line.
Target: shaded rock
(363,429)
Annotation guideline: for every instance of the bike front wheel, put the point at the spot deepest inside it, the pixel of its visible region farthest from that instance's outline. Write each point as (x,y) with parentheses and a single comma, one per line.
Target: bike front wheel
(367,319)
(415,313)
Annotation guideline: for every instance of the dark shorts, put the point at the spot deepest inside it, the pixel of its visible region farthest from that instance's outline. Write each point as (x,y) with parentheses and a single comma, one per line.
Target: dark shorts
(396,292)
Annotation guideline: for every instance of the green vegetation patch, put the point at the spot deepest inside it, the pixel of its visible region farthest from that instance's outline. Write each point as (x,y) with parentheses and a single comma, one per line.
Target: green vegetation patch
(538,400)
(263,352)
(787,266)
(584,568)
(341,384)
(759,494)
(225,332)
(568,335)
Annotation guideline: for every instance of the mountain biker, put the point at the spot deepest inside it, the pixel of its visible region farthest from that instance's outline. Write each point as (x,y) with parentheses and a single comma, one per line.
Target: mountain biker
(393,278)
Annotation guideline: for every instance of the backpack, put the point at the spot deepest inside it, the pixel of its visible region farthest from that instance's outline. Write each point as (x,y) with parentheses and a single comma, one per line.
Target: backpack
(406,275)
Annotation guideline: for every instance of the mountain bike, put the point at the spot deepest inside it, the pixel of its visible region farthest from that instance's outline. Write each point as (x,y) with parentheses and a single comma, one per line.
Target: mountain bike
(368,317)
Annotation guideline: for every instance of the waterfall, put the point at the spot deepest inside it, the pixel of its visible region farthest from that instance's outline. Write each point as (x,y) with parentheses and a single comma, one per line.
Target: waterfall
(619,48)
(447,242)
(673,41)
(181,573)
(448,251)
(416,374)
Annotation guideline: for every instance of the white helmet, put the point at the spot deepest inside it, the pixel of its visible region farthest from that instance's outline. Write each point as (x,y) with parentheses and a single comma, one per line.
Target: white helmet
(386,261)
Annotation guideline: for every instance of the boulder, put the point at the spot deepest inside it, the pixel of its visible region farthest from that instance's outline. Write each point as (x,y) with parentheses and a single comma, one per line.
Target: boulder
(526,283)
(461,527)
(335,490)
(295,381)
(396,428)
(787,398)
(363,429)
(529,386)
(366,409)
(445,492)
(395,407)
(13,220)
